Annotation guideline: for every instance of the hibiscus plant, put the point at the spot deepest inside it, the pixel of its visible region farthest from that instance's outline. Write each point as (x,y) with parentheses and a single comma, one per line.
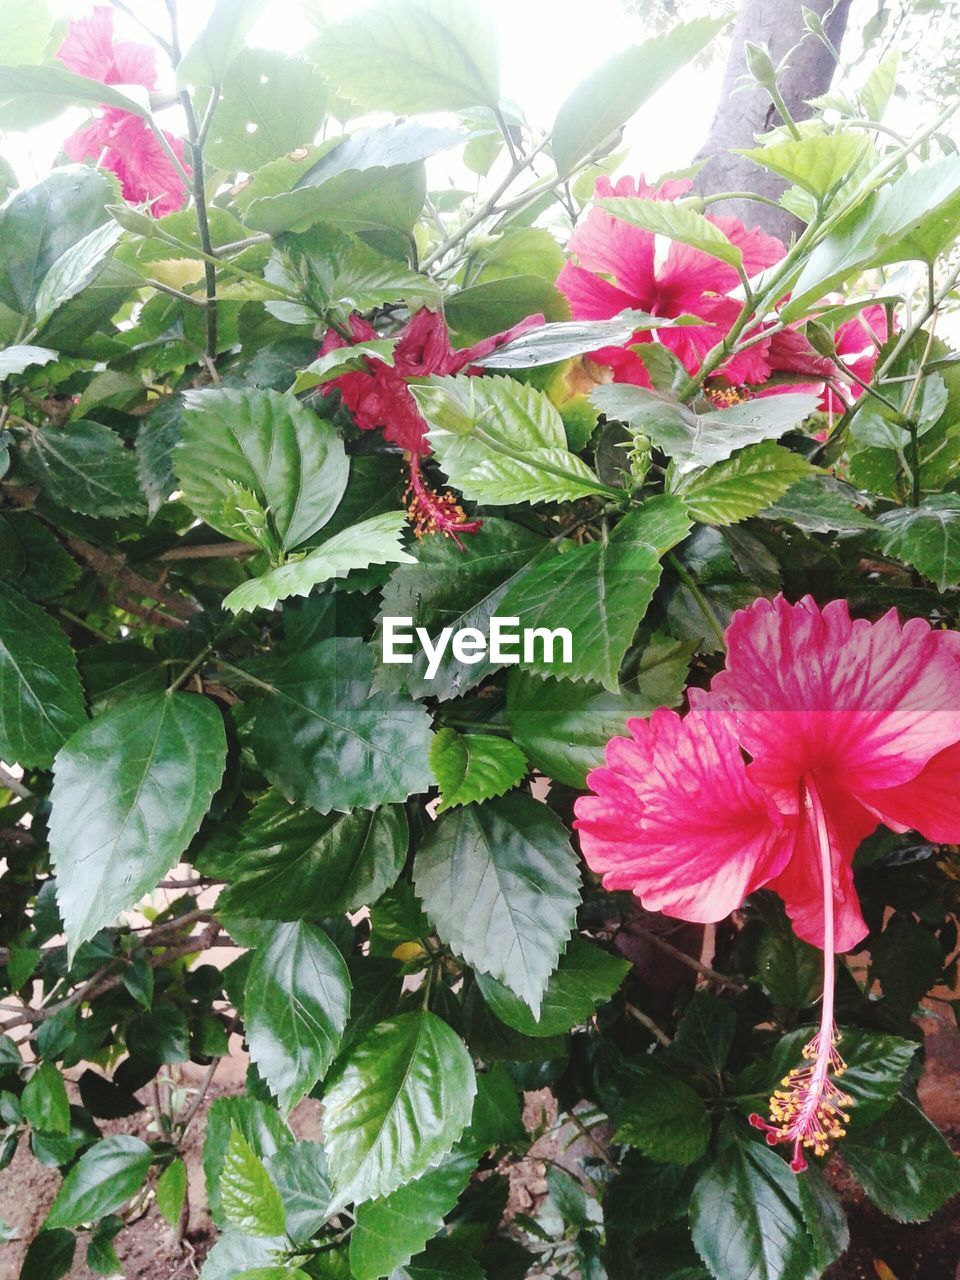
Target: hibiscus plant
(323,376)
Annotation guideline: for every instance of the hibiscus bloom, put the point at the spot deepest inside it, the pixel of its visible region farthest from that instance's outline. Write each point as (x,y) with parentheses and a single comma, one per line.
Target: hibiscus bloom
(857,342)
(116,139)
(847,724)
(379,397)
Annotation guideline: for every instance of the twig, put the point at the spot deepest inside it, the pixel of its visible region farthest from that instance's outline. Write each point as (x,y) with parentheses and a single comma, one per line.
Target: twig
(645,1020)
(696,965)
(158,618)
(10,783)
(115,567)
(209,551)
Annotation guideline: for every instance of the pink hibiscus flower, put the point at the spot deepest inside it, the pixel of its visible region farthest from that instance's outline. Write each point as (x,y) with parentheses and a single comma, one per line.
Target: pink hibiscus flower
(116,139)
(379,397)
(858,342)
(618,269)
(847,724)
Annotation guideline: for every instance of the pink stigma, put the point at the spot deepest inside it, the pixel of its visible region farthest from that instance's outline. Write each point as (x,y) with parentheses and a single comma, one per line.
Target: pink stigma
(809,1109)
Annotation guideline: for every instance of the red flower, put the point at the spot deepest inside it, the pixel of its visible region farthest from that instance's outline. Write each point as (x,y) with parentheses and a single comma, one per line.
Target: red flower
(379,397)
(618,269)
(847,724)
(858,342)
(118,140)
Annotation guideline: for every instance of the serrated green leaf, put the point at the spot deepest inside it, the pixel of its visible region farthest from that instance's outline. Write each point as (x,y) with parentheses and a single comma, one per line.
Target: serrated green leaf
(396,1105)
(299,1171)
(926,537)
(474,766)
(551,343)
(676,222)
(248,1197)
(130,790)
(876,1065)
(283,98)
(85,467)
(325,704)
(903,1163)
(292,461)
(585,977)
(41,702)
(374,541)
(296,1005)
(818,162)
(663,1117)
(75,269)
(500,883)
(343,360)
(489,307)
(261,1125)
(18,358)
(61,85)
(705,1034)
(103,1179)
(171,1191)
(789,970)
(50,1255)
(820,504)
(599,592)
(408,56)
(218,44)
(741,486)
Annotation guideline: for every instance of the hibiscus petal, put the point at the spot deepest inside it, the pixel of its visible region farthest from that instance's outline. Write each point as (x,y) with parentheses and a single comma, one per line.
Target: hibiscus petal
(676,818)
(590,297)
(929,803)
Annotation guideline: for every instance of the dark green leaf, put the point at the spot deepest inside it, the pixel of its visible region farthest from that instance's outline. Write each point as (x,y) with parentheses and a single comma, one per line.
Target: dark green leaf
(663,1117)
(130,790)
(903,1163)
(85,467)
(473,766)
(705,1033)
(44,1100)
(112,673)
(485,309)
(103,1179)
(876,1065)
(248,1198)
(820,504)
(790,971)
(75,269)
(396,1105)
(441,1260)
(825,1216)
(50,1255)
(157,438)
(585,977)
(299,1172)
(501,884)
(926,537)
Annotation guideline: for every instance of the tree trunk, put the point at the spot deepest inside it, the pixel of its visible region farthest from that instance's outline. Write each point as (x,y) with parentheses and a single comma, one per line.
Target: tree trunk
(744,113)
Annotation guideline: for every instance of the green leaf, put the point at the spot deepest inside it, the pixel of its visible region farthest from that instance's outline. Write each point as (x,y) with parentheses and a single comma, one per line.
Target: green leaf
(502,442)
(698,440)
(483,310)
(249,1199)
(50,1255)
(607,98)
(84,466)
(663,1117)
(517,251)
(408,56)
(75,269)
(102,1258)
(818,162)
(292,863)
(642,1198)
(296,1004)
(235,1253)
(171,1191)
(343,360)
(911,219)
(705,1034)
(876,1065)
(113,672)
(926,537)
(903,1163)
(820,504)
(585,977)
(751,1186)
(789,970)
(741,486)
(63,86)
(474,766)
(396,1105)
(552,343)
(299,1171)
(500,883)
(41,702)
(328,738)
(218,44)
(374,541)
(599,592)
(457,589)
(389,1231)
(292,461)
(103,1179)
(44,1100)
(441,1260)
(130,790)
(18,358)
(676,222)
(284,99)
(158,436)
(564,728)
(263,1128)
(825,1217)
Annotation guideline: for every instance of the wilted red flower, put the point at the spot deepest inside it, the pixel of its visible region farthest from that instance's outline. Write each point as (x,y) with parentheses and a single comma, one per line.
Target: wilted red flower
(379,398)
(116,139)
(847,724)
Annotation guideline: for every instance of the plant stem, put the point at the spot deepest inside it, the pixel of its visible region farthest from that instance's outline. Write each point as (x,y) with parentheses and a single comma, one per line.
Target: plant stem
(702,603)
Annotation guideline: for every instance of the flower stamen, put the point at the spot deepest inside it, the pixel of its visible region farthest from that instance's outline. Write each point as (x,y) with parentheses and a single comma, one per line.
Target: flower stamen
(432,512)
(810,1109)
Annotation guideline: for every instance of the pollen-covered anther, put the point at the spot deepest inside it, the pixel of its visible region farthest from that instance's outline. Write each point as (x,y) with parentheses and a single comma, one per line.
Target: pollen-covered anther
(432,512)
(809,1110)
(727,397)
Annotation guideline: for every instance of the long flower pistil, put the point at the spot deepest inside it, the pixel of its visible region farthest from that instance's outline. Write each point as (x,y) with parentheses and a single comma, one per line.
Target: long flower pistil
(432,512)
(809,1109)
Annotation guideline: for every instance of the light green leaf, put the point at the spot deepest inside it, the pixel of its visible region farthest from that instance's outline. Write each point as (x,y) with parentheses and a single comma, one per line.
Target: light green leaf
(752,1186)
(327,738)
(250,1201)
(103,1179)
(41,701)
(599,592)
(903,1163)
(927,537)
(742,485)
(219,43)
(389,1231)
(699,439)
(66,87)
(234,1252)
(172,1190)
(502,442)
(292,863)
(818,162)
(374,541)
(296,1004)
(474,766)
(677,222)
(292,461)
(551,343)
(820,504)
(75,269)
(396,1105)
(343,360)
(284,99)
(44,1100)
(263,1128)
(408,56)
(607,98)
(17,359)
(130,791)
(500,882)
(585,977)
(84,466)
